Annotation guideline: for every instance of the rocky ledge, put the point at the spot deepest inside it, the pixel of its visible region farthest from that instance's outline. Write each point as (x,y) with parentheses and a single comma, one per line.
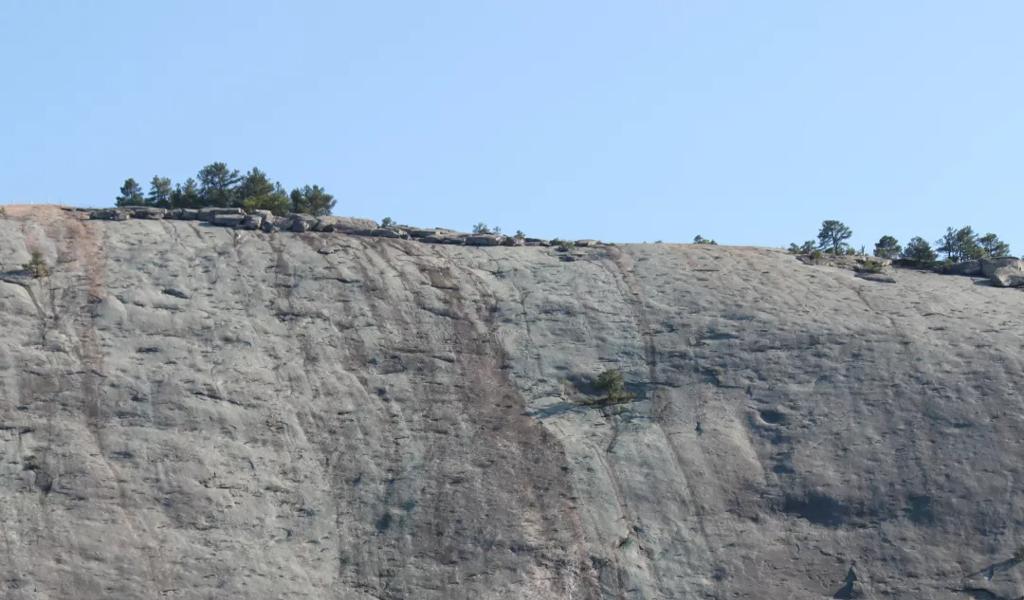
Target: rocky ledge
(266,221)
(1000,272)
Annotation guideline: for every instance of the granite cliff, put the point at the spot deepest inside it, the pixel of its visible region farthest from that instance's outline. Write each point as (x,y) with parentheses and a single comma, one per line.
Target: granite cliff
(190,411)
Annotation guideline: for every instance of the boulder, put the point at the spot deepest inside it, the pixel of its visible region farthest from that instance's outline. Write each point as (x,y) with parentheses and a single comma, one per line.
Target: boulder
(110,214)
(207,213)
(269,225)
(183,214)
(442,239)
(513,241)
(297,222)
(349,224)
(228,220)
(536,242)
(323,225)
(1008,273)
(251,222)
(418,232)
(148,212)
(484,239)
(586,243)
(990,265)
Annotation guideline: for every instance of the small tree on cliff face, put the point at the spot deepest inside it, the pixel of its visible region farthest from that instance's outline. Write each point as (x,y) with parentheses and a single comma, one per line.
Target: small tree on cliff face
(613,385)
(833,236)
(887,247)
(37,266)
(131,194)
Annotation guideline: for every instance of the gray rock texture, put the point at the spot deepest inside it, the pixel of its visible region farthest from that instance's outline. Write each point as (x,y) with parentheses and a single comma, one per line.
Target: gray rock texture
(332,416)
(1004,272)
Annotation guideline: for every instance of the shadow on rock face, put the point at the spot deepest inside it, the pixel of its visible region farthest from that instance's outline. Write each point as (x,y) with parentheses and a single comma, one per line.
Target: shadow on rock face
(819,509)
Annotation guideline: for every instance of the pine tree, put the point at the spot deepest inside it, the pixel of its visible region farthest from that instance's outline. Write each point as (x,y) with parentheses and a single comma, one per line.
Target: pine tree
(887,247)
(160,191)
(960,244)
(186,196)
(919,251)
(313,200)
(131,194)
(833,236)
(993,247)
(217,185)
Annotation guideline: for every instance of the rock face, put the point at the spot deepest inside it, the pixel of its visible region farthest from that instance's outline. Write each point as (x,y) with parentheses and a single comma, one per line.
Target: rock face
(1004,272)
(332,416)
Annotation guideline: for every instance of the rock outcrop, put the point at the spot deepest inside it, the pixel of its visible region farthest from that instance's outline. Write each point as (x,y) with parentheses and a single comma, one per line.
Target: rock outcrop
(192,411)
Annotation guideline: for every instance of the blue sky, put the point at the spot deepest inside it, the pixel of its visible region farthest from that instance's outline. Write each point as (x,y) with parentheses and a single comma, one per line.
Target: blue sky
(748,122)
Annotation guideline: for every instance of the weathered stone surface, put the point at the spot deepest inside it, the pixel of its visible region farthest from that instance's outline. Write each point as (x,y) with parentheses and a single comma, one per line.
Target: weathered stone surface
(443,239)
(228,220)
(251,222)
(348,224)
(1005,272)
(389,232)
(854,262)
(110,214)
(148,212)
(483,239)
(877,277)
(419,232)
(209,212)
(989,266)
(394,420)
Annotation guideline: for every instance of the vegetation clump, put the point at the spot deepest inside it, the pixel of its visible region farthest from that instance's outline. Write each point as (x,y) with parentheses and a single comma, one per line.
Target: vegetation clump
(963,244)
(958,245)
(613,385)
(217,185)
(919,252)
(387,222)
(887,247)
(699,239)
(36,266)
(482,228)
(805,248)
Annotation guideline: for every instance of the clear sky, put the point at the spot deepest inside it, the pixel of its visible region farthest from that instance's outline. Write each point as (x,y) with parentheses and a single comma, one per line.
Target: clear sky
(749,122)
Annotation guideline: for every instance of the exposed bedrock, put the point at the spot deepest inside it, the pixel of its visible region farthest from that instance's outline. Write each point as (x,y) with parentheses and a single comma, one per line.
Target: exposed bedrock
(191,411)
